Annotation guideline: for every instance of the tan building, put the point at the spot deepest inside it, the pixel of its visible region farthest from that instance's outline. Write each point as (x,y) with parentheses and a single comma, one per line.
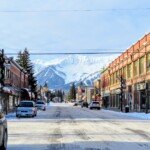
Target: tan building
(89,93)
(134,66)
(97,89)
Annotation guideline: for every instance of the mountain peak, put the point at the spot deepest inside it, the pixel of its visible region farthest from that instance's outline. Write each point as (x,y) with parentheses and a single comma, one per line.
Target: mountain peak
(71,68)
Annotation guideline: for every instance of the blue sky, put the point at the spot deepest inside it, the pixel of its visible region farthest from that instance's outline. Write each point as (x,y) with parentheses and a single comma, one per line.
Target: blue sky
(71,31)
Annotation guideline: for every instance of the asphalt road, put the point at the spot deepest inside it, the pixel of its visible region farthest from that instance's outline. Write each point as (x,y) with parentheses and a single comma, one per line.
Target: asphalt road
(64,127)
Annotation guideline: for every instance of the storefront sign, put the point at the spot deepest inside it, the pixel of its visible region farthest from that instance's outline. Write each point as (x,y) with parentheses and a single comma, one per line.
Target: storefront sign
(118,91)
(104,94)
(141,86)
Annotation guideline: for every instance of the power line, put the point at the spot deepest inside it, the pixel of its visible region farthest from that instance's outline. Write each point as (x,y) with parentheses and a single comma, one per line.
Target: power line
(73,10)
(77,53)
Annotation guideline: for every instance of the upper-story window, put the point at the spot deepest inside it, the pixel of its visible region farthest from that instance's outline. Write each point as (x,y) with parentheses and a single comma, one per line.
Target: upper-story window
(111,79)
(148,61)
(117,75)
(129,71)
(136,66)
(7,74)
(141,65)
(124,72)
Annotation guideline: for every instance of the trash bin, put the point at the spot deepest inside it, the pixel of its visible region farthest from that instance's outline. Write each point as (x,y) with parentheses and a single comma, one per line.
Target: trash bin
(126,109)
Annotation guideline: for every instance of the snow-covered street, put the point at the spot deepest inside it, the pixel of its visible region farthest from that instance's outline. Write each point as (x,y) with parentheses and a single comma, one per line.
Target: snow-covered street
(64,127)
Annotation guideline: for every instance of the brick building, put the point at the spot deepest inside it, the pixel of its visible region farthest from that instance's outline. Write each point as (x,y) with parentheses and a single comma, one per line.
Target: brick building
(16,81)
(134,66)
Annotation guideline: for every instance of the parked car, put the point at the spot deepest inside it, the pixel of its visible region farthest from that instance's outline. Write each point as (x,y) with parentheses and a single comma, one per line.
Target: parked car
(26,109)
(84,104)
(40,105)
(94,105)
(3,130)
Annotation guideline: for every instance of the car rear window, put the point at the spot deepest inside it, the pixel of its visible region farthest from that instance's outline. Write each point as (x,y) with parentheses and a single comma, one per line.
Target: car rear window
(96,103)
(40,103)
(26,104)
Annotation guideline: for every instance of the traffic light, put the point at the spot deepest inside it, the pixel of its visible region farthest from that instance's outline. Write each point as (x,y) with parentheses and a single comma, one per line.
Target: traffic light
(2,68)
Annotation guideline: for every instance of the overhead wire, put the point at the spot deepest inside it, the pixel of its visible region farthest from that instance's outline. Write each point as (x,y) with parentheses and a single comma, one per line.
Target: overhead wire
(72,10)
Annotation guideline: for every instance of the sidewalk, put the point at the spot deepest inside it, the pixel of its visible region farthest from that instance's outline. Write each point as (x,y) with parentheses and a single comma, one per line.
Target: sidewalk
(140,115)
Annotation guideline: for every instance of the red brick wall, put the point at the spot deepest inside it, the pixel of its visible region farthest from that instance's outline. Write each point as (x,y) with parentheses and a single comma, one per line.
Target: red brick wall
(14,79)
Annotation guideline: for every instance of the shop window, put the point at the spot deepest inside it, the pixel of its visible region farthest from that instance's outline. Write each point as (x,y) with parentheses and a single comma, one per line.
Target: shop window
(141,65)
(129,71)
(113,78)
(117,76)
(135,68)
(148,61)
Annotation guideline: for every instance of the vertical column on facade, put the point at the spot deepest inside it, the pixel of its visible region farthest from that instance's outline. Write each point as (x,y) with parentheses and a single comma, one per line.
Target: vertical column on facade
(132,86)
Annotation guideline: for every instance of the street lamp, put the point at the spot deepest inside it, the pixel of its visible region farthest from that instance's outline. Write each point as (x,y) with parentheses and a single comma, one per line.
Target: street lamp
(20,83)
(122,86)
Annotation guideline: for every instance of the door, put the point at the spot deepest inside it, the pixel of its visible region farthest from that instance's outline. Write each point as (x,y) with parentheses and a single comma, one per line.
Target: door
(143,99)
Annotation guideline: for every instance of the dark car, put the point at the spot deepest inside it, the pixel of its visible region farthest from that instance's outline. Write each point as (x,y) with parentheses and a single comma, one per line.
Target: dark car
(95,105)
(84,104)
(3,130)
(78,103)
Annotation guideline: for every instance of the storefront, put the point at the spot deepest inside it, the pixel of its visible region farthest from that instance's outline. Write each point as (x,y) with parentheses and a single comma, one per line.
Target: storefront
(142,96)
(106,99)
(9,98)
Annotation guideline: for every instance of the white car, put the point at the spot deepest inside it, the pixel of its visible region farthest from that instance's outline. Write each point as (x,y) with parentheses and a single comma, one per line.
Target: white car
(41,105)
(26,109)
(94,105)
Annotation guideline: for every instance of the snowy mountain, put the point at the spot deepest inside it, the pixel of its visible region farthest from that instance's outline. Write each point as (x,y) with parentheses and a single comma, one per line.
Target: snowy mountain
(60,72)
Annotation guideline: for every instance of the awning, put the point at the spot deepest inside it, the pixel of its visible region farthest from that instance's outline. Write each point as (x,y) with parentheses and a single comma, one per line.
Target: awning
(11,90)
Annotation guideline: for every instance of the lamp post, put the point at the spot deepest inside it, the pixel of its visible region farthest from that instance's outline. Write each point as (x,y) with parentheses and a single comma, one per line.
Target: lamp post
(20,83)
(122,86)
(146,93)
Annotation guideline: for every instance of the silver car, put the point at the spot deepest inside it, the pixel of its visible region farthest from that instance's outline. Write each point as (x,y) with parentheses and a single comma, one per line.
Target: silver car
(3,130)
(41,105)
(94,105)
(26,109)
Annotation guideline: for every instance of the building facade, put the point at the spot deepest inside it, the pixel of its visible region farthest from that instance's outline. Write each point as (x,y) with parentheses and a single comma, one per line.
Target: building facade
(97,90)
(89,94)
(134,67)
(15,82)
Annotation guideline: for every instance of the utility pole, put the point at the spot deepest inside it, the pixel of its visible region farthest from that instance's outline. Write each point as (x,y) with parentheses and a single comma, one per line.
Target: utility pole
(121,95)
(122,87)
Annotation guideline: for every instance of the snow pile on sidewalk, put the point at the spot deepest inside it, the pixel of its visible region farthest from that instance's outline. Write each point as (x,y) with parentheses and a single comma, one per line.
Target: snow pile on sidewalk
(59,104)
(139,115)
(11,116)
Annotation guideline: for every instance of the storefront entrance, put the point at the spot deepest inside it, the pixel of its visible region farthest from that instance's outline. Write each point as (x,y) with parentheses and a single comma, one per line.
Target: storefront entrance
(143,99)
